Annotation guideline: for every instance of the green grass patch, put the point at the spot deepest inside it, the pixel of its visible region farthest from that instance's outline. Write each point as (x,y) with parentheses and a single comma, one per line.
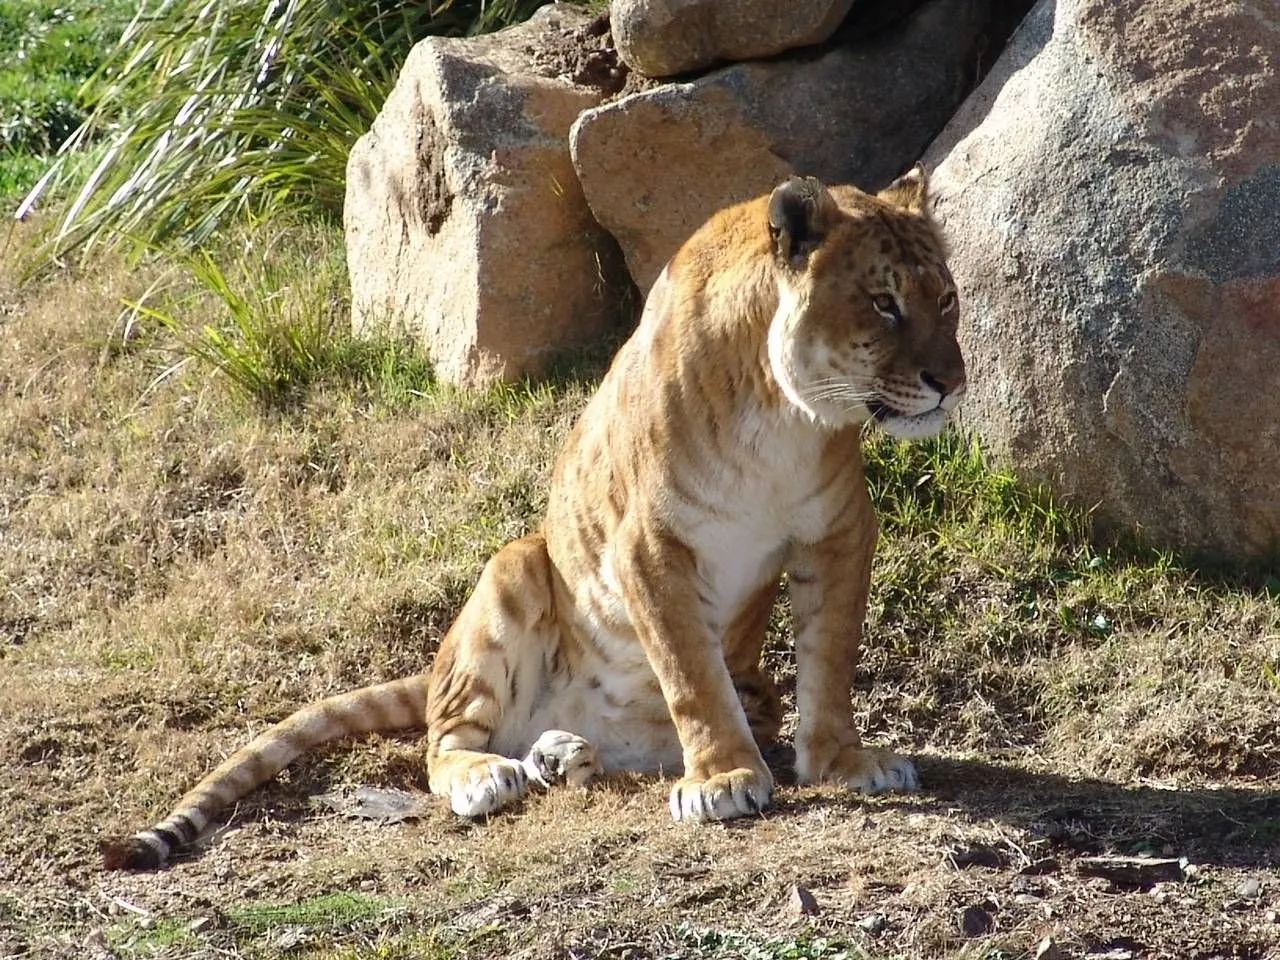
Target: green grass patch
(47,50)
(947,486)
(138,939)
(434,944)
(352,926)
(1270,676)
(19,172)
(692,943)
(333,911)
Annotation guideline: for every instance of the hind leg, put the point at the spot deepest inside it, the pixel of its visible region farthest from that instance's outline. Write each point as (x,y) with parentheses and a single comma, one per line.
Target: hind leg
(557,757)
(479,782)
(492,667)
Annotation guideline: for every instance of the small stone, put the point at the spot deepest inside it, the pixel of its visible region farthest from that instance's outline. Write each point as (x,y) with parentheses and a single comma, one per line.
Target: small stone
(290,937)
(1040,867)
(802,902)
(975,922)
(96,948)
(1251,889)
(199,923)
(1027,886)
(1272,916)
(1134,871)
(1048,949)
(872,923)
(976,855)
(373,803)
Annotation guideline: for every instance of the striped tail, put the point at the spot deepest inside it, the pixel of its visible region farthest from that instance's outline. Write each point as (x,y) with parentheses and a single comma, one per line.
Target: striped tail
(396,705)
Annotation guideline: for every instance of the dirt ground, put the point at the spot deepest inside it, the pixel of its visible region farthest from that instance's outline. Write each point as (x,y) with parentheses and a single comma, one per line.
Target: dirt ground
(988,860)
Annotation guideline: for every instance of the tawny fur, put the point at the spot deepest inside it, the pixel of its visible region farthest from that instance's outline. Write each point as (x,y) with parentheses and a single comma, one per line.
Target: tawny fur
(720,452)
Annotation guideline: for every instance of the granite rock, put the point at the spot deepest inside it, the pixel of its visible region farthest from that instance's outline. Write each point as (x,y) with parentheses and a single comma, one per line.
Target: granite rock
(654,165)
(465,224)
(1110,196)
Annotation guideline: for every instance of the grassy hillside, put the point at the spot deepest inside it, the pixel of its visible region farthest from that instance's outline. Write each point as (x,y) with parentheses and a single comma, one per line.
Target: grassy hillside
(181,564)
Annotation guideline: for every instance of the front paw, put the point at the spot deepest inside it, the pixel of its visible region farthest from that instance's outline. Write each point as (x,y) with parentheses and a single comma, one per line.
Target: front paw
(724,796)
(864,769)
(490,785)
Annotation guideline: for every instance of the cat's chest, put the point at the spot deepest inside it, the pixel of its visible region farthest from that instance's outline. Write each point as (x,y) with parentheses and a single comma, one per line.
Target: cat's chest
(742,534)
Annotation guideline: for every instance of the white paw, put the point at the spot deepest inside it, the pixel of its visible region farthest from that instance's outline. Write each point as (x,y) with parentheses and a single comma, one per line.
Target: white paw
(885,771)
(558,757)
(738,793)
(498,784)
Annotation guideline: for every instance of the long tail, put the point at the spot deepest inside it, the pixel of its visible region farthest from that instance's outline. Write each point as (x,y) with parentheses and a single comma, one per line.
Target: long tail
(396,705)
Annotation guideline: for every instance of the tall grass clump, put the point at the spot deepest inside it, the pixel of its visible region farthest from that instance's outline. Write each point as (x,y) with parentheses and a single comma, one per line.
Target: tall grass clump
(208,110)
(270,313)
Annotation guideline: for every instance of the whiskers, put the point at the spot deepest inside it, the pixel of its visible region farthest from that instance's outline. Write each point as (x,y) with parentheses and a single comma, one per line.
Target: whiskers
(848,394)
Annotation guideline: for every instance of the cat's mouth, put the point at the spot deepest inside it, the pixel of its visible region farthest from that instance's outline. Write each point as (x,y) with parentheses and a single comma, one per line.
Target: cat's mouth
(881,411)
(906,426)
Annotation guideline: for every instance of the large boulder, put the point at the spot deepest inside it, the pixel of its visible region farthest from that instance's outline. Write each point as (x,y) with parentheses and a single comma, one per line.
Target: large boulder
(660,38)
(654,165)
(464,218)
(1110,194)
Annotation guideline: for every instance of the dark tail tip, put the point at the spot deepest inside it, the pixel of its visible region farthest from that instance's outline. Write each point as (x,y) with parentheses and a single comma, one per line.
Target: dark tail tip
(131,854)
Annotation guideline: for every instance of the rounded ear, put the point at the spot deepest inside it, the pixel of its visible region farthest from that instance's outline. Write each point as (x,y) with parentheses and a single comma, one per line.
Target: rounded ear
(910,192)
(798,216)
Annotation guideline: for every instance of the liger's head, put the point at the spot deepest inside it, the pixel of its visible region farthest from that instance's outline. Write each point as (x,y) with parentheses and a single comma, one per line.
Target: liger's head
(866,322)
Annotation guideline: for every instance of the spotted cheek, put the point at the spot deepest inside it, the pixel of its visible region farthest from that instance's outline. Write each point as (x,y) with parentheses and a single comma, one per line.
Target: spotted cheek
(840,359)
(841,381)
(857,365)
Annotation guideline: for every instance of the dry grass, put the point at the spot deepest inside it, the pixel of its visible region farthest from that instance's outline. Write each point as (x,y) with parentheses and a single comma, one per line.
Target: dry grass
(179,567)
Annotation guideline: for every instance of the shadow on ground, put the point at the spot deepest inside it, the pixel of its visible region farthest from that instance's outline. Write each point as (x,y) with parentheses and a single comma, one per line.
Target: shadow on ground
(1221,826)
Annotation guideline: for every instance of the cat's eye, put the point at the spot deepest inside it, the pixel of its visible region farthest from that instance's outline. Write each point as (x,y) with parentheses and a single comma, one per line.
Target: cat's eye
(947,302)
(886,306)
